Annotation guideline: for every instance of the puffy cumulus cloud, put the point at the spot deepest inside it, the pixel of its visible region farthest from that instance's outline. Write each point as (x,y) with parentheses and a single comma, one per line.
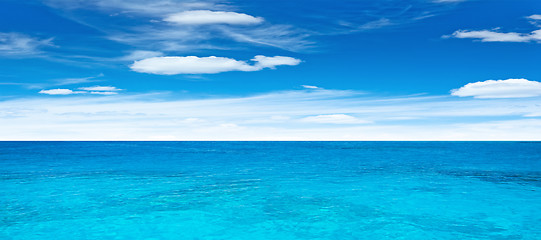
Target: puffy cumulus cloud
(202,17)
(58,91)
(334,119)
(510,88)
(495,36)
(207,65)
(189,65)
(16,44)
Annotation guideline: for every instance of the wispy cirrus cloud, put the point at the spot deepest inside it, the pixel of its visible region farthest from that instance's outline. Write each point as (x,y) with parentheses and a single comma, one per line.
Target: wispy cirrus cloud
(71,81)
(101,88)
(103,92)
(282,36)
(181,26)
(21,45)
(186,26)
(140,54)
(207,65)
(364,16)
(311,114)
(139,7)
(56,82)
(334,119)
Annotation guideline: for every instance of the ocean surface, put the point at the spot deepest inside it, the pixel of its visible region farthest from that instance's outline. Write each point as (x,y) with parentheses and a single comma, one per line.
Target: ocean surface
(270,190)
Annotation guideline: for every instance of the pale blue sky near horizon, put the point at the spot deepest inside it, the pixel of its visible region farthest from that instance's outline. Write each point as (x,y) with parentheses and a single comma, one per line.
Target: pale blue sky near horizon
(270,70)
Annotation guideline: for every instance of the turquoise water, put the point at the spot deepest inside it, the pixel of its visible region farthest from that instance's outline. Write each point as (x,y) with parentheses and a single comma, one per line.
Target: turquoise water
(270,190)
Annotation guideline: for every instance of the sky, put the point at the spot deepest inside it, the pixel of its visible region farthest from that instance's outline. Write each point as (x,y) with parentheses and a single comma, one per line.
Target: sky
(270,70)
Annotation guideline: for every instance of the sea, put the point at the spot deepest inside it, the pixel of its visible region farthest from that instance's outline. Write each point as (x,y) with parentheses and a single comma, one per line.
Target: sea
(270,190)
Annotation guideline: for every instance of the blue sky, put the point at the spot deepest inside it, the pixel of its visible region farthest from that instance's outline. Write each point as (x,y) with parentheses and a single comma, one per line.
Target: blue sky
(270,70)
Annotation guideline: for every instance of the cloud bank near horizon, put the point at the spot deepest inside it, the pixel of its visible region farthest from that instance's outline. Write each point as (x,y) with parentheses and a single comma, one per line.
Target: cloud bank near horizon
(307,114)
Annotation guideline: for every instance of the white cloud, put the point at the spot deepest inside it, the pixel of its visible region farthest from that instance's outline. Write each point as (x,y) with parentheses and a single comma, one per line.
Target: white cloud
(334,119)
(534,17)
(186,27)
(190,65)
(100,88)
(58,91)
(140,54)
(272,62)
(510,88)
(201,17)
(55,82)
(103,93)
(70,81)
(376,24)
(207,65)
(495,36)
(271,116)
(138,7)
(279,36)
(168,37)
(16,44)
(213,24)
(309,86)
